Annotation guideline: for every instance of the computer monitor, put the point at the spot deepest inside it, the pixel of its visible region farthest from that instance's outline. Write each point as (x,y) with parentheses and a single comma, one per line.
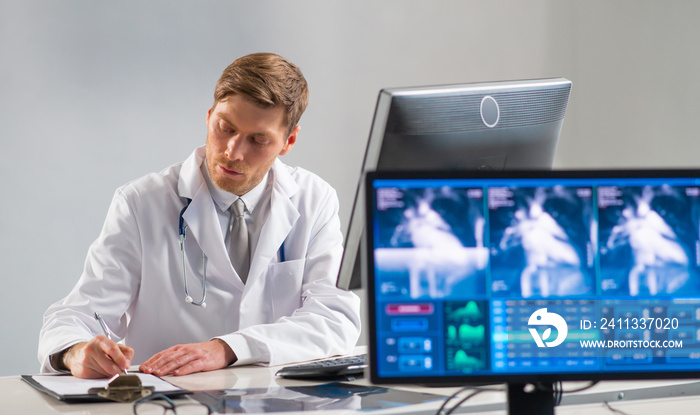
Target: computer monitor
(532,277)
(486,126)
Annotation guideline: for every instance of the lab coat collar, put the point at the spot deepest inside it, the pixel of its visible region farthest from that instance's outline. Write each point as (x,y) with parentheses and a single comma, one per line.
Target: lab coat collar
(203,224)
(191,178)
(283,180)
(224,199)
(201,217)
(283,215)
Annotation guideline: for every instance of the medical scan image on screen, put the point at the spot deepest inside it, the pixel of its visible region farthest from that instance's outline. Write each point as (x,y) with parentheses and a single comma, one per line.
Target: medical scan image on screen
(424,234)
(507,276)
(541,241)
(649,240)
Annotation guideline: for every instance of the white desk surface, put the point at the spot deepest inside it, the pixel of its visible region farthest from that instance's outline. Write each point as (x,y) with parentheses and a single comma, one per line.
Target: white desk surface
(17,397)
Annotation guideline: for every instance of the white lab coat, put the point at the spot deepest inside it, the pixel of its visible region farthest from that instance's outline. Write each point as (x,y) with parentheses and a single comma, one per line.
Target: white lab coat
(287,311)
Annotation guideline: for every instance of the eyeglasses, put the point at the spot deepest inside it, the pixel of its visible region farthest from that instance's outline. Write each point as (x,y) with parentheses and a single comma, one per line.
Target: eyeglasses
(159,404)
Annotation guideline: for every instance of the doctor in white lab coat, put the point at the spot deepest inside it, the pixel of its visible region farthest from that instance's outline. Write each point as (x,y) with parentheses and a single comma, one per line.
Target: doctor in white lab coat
(288,309)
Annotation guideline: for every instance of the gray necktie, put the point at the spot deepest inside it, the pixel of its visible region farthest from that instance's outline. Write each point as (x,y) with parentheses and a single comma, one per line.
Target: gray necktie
(238,250)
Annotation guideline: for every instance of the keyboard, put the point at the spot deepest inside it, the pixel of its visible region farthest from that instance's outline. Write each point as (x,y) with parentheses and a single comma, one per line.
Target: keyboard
(333,368)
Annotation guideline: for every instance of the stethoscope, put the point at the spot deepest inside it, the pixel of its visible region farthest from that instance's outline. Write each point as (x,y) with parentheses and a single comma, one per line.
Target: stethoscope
(182,230)
(183,234)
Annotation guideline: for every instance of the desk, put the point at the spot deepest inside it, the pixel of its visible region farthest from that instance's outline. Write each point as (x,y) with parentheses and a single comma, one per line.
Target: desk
(17,397)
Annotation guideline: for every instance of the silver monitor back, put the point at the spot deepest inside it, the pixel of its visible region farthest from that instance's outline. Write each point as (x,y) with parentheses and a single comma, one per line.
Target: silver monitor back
(484,126)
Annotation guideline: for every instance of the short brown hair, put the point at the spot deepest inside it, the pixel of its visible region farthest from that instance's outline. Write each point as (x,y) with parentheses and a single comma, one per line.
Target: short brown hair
(268,80)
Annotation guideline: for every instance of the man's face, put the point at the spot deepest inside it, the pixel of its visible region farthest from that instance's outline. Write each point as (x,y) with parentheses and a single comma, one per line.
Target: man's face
(243,141)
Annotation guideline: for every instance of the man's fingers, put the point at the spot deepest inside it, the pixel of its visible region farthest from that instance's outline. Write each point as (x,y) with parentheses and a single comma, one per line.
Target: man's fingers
(127,351)
(156,357)
(165,362)
(102,364)
(106,355)
(175,365)
(188,358)
(120,355)
(98,358)
(211,355)
(113,352)
(191,367)
(88,360)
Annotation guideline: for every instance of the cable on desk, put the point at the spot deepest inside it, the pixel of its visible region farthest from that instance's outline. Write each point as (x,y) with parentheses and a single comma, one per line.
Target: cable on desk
(558,389)
(583,388)
(475,391)
(617,411)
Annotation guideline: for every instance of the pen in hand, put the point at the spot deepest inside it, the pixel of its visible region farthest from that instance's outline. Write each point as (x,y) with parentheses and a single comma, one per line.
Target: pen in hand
(106,331)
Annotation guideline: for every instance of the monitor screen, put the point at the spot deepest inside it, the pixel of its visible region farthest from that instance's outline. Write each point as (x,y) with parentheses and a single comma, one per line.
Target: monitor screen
(484,126)
(532,276)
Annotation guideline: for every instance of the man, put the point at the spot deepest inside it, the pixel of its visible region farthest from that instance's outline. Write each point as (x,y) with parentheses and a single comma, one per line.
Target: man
(272,304)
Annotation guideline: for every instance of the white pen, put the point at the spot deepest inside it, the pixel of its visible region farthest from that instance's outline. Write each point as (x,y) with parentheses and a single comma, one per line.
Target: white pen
(106,331)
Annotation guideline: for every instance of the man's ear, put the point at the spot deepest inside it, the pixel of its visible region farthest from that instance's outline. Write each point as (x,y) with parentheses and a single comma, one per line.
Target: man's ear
(291,140)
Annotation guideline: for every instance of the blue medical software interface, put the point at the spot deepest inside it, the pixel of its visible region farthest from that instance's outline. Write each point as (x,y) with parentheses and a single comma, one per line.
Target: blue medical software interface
(538,275)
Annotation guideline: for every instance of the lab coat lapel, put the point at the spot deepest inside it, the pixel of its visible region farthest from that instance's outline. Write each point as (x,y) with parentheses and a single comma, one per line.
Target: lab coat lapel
(203,225)
(201,219)
(283,215)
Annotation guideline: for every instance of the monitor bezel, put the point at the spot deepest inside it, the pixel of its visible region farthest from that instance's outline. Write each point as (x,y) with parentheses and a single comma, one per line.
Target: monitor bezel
(461,380)
(349,274)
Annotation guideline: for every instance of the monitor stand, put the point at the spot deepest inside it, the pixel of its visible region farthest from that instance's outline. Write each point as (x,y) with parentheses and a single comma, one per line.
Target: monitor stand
(525,399)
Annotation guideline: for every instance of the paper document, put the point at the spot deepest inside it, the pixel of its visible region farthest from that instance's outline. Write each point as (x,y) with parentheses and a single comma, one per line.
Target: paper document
(69,385)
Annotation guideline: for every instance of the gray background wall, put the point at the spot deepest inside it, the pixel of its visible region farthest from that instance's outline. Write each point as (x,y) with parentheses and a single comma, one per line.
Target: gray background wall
(96,93)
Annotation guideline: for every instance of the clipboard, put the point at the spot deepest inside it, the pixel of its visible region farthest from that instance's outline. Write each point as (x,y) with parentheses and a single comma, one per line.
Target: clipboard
(121,388)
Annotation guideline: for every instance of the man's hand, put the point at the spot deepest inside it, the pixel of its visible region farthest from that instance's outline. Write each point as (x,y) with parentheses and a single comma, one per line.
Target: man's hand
(98,358)
(184,359)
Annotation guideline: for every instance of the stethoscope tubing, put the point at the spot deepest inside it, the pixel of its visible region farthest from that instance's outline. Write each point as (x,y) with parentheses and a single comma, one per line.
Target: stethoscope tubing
(182,231)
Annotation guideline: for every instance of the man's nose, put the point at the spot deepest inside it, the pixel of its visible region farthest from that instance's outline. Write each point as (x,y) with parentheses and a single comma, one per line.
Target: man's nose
(234,148)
